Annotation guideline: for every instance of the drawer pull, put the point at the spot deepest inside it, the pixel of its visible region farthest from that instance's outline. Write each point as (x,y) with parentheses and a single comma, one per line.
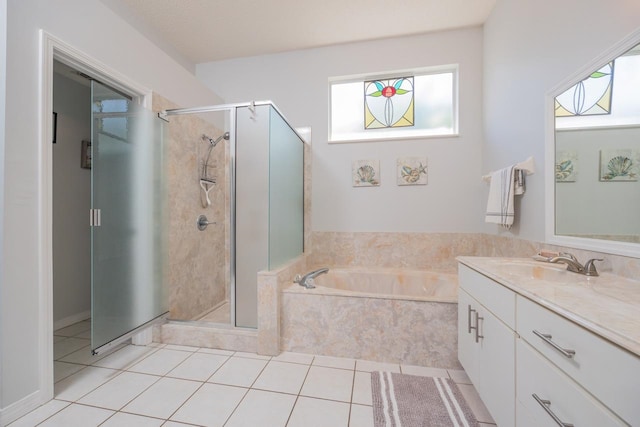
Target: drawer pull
(478,319)
(546,406)
(547,338)
(469,319)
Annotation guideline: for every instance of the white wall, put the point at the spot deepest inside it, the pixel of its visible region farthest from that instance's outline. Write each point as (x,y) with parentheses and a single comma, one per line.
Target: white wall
(530,46)
(71,201)
(3,63)
(94,29)
(298,83)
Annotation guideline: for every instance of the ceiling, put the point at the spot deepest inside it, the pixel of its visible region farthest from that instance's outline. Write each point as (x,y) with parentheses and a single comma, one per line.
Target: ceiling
(197,31)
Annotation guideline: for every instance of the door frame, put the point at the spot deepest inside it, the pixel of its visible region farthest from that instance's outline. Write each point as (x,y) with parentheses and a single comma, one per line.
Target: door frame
(52,48)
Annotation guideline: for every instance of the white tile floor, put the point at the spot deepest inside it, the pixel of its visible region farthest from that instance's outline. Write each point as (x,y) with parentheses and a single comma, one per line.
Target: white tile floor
(173,386)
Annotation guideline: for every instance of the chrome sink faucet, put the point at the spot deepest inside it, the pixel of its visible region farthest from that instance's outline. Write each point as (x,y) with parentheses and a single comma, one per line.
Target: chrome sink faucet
(588,269)
(307,280)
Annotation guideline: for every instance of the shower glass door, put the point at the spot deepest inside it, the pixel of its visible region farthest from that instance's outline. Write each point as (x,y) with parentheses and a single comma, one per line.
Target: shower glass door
(125,158)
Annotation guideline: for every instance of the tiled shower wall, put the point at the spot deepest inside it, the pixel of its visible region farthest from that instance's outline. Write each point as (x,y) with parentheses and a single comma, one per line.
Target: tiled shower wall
(197,261)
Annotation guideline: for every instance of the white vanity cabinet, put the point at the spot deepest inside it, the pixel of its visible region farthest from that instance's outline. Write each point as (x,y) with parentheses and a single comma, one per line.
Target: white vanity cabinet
(574,369)
(533,361)
(486,341)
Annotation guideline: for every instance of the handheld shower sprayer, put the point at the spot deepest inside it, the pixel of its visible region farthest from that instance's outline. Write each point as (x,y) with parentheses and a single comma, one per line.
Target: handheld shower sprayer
(214,142)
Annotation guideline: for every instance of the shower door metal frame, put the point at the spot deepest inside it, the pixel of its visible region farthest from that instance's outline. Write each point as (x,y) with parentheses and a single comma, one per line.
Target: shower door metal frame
(233,109)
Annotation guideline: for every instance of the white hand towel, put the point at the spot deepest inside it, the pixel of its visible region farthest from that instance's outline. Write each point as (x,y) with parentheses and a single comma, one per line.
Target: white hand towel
(501,194)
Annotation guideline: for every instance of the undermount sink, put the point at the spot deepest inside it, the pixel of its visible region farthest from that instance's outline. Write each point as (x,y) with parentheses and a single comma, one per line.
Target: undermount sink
(538,270)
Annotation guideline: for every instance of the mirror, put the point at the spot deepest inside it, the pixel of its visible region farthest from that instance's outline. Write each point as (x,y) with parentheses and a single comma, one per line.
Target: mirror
(597,153)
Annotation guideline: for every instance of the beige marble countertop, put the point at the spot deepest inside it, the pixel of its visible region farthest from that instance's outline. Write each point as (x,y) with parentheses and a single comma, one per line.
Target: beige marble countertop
(607,305)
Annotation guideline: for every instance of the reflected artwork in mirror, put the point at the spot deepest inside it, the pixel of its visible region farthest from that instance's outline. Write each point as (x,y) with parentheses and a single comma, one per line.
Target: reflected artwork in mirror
(597,122)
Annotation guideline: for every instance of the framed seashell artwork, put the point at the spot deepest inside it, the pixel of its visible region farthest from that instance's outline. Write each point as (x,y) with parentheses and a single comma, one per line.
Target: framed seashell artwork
(365,173)
(566,166)
(411,171)
(620,164)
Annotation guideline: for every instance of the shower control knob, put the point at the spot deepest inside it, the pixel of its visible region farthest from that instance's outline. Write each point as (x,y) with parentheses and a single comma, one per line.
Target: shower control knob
(203,222)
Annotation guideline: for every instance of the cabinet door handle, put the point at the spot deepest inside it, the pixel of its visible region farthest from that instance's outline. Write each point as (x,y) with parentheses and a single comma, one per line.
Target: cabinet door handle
(478,319)
(546,406)
(547,338)
(470,310)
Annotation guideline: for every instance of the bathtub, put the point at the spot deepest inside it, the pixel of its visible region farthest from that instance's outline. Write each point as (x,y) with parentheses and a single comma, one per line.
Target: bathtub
(416,285)
(389,315)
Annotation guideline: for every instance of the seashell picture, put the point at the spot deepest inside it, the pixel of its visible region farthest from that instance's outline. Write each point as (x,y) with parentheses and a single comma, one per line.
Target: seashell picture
(619,165)
(566,166)
(365,173)
(411,171)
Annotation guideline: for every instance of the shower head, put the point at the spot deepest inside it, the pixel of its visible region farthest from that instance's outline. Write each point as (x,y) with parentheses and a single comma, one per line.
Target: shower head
(214,142)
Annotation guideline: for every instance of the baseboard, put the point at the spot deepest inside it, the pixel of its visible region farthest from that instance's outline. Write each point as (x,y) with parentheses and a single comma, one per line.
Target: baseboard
(21,407)
(70,320)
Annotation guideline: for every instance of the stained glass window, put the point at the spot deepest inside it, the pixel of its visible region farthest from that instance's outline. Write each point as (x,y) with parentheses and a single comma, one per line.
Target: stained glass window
(388,103)
(591,96)
(407,104)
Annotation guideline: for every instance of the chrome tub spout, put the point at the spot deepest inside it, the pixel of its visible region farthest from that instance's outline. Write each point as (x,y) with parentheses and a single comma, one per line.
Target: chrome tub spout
(307,280)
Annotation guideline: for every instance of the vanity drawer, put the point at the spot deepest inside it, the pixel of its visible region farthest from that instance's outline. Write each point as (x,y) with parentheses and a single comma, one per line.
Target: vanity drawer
(498,299)
(608,372)
(563,397)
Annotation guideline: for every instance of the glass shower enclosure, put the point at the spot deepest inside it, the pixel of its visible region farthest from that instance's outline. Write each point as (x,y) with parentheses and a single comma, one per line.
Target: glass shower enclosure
(257,207)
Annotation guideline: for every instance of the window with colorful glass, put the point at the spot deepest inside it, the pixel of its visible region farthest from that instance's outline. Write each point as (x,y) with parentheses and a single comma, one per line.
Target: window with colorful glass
(591,96)
(409,104)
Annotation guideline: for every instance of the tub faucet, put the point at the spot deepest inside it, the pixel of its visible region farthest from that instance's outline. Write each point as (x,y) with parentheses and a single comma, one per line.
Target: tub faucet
(588,269)
(307,280)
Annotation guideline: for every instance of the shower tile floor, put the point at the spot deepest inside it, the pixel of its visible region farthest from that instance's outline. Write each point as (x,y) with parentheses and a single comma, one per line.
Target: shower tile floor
(173,386)
(221,314)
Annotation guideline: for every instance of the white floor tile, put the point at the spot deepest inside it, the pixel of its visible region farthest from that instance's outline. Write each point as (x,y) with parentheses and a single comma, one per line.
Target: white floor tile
(175,424)
(262,408)
(160,362)
(362,388)
(251,355)
(309,412)
(328,383)
(334,362)
(73,330)
(211,405)
(162,398)
(125,357)
(119,391)
(282,376)
(121,419)
(198,367)
(68,346)
(82,382)
(369,366)
(238,371)
(62,370)
(86,334)
(459,376)
(361,416)
(181,348)
(290,357)
(78,416)
(423,371)
(84,356)
(216,351)
(40,414)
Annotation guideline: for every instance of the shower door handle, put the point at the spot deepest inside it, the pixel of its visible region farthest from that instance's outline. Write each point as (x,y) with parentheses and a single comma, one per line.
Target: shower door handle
(94,217)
